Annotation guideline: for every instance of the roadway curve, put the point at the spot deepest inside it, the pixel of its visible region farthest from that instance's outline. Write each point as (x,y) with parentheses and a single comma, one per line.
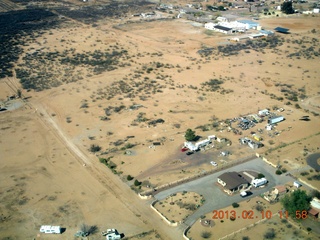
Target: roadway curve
(312,161)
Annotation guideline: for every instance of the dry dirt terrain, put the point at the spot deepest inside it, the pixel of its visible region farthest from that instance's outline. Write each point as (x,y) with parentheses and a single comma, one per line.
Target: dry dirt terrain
(121,84)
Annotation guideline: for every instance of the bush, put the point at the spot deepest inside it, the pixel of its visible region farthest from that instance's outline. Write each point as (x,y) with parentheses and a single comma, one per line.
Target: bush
(260,175)
(94,148)
(235,205)
(278,172)
(137,183)
(259,207)
(245,238)
(129,177)
(206,234)
(270,234)
(309,229)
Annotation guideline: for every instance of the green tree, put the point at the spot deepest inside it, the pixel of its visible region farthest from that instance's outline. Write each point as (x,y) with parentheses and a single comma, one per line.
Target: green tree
(287,8)
(296,201)
(190,135)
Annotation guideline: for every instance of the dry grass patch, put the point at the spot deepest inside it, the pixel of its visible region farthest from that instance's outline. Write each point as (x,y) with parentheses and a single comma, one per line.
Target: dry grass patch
(179,206)
(224,226)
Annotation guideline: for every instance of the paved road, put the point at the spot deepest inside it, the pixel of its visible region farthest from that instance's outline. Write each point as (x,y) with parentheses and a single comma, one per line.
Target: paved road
(215,198)
(312,161)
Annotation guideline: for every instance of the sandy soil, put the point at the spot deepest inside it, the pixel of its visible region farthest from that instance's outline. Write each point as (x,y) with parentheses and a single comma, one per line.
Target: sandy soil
(253,228)
(43,149)
(43,183)
(177,207)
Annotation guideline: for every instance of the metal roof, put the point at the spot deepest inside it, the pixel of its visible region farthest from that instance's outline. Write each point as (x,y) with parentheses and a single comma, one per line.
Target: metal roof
(222,28)
(249,22)
(281,29)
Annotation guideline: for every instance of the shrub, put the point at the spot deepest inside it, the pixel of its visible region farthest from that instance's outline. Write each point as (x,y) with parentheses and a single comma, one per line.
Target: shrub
(129,177)
(278,172)
(235,205)
(245,238)
(137,183)
(270,234)
(206,234)
(94,148)
(309,229)
(259,207)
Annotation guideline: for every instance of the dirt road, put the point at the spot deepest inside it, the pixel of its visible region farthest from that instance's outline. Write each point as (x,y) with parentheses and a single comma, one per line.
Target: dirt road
(111,182)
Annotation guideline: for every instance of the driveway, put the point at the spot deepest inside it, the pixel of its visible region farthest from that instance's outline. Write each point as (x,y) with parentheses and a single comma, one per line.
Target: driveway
(215,197)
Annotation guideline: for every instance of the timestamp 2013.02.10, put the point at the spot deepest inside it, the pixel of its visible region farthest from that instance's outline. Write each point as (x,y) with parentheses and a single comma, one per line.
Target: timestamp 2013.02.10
(250,214)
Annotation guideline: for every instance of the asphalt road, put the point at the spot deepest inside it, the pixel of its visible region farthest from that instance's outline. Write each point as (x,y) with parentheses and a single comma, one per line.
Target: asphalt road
(215,197)
(312,161)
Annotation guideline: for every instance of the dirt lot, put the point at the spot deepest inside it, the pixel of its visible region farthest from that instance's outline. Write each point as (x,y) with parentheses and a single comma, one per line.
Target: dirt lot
(178,206)
(155,65)
(254,228)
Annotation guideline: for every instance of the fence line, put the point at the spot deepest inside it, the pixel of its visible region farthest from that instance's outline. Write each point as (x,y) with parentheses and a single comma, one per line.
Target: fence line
(194,177)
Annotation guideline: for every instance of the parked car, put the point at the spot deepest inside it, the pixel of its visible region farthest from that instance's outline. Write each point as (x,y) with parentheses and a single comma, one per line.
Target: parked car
(214,163)
(245,193)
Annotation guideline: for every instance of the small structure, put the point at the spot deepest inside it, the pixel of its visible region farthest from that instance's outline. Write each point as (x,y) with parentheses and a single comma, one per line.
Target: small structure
(274,120)
(112,234)
(255,36)
(315,203)
(297,184)
(50,229)
(282,30)
(274,194)
(264,112)
(313,212)
(232,182)
(269,127)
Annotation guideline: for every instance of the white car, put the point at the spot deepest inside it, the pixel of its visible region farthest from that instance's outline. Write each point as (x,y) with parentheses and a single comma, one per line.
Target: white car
(214,163)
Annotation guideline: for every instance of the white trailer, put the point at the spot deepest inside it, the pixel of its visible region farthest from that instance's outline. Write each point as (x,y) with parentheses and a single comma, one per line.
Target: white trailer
(203,143)
(259,182)
(50,229)
(112,234)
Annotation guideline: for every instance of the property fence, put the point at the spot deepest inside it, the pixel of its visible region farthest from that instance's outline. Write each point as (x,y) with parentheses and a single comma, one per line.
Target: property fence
(156,190)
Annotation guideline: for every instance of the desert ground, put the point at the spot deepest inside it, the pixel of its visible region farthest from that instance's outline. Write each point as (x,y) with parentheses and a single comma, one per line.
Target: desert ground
(49,175)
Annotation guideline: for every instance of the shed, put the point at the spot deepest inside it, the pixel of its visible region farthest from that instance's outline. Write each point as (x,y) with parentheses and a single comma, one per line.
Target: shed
(280,190)
(282,30)
(276,119)
(314,212)
(297,184)
(263,112)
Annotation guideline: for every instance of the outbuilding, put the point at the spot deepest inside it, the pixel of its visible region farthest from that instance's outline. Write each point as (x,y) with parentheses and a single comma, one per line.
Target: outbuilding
(274,120)
(297,184)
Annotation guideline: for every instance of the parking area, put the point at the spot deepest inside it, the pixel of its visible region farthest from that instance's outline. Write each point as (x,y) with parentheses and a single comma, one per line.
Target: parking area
(215,197)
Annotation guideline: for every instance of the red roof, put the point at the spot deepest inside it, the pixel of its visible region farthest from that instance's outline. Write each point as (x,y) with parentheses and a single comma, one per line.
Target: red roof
(313,212)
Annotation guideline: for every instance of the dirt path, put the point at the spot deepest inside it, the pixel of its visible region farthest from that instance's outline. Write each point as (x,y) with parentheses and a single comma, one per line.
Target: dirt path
(110,181)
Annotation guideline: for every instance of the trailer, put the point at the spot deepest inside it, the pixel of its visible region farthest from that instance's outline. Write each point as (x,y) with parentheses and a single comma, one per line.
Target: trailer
(112,234)
(259,182)
(50,229)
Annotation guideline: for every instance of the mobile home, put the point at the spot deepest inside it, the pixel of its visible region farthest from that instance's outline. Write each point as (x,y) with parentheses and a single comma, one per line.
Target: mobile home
(50,229)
